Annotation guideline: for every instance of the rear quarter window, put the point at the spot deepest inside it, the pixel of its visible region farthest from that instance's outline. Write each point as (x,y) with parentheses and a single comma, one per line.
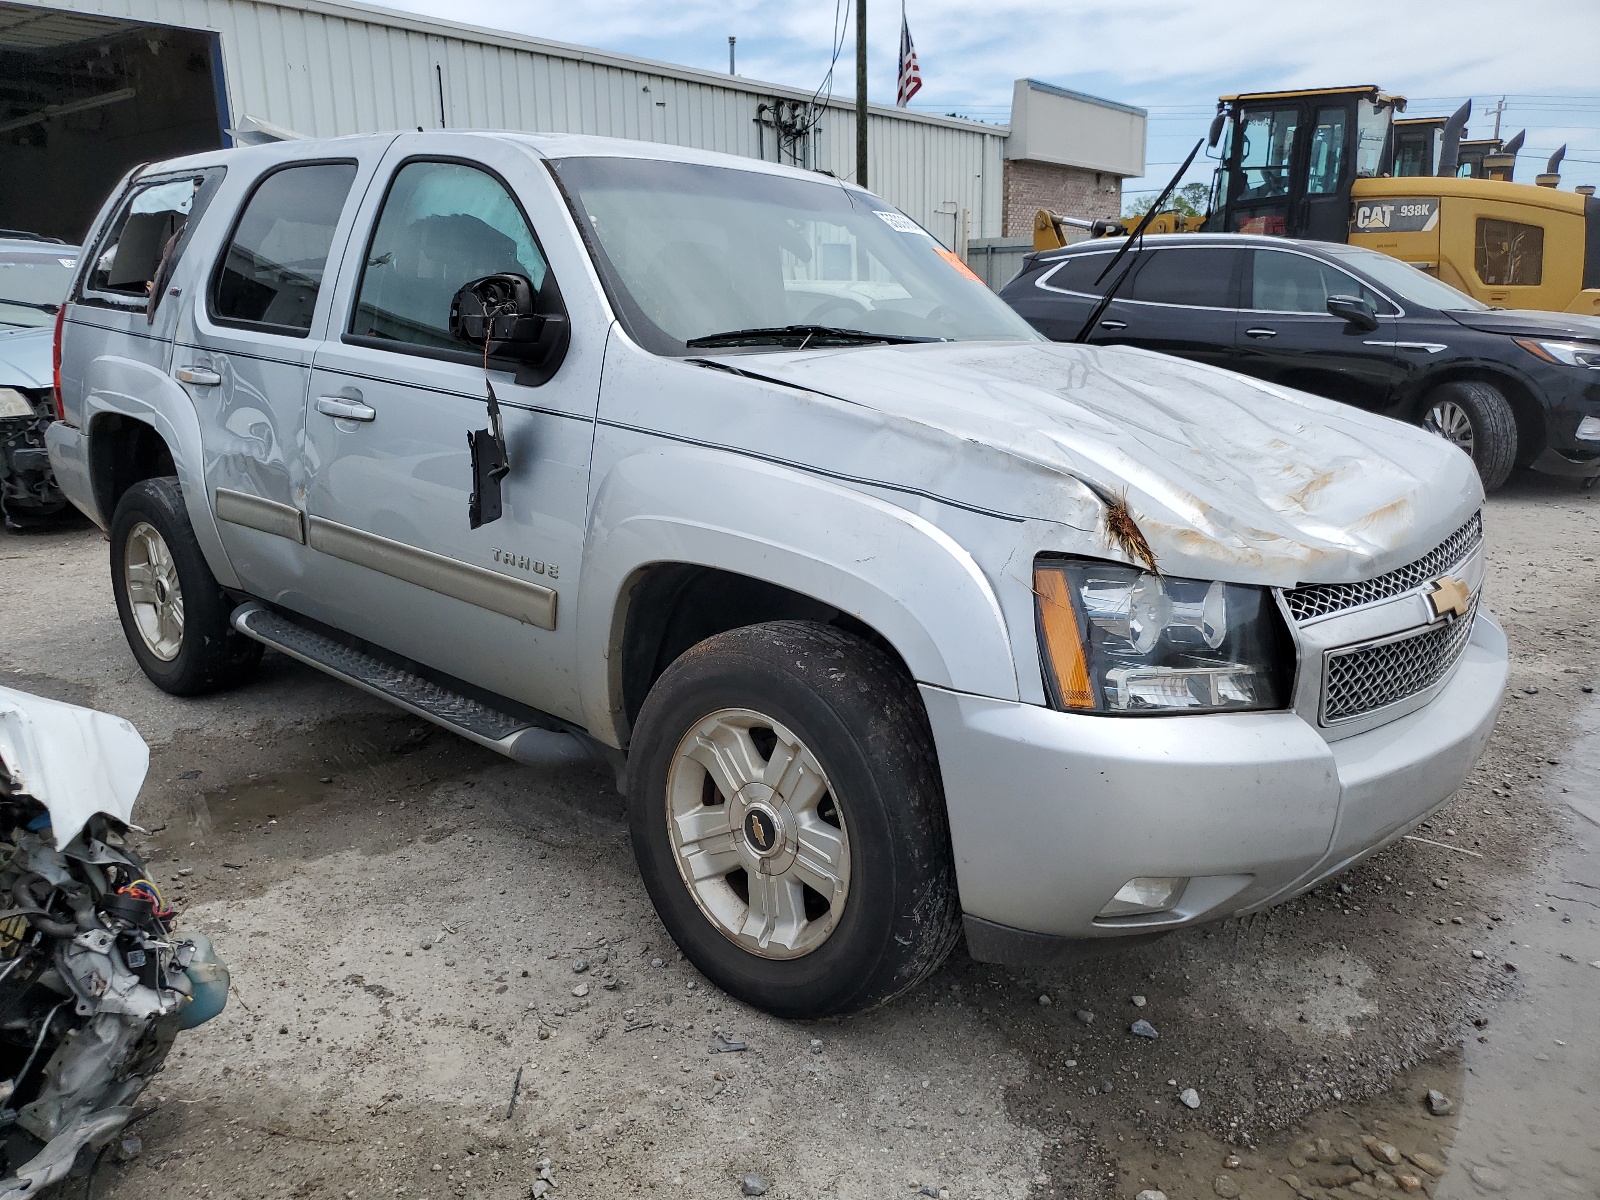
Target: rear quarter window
(1077,273)
(144,241)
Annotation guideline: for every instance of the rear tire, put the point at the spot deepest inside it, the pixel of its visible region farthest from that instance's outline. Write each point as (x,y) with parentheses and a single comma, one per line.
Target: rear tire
(174,614)
(1477,418)
(824,884)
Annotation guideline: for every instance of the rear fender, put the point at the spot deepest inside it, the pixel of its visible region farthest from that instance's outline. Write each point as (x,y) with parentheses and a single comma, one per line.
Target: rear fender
(895,571)
(139,392)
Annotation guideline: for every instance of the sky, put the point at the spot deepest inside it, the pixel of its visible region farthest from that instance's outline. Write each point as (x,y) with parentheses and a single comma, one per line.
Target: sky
(1172,59)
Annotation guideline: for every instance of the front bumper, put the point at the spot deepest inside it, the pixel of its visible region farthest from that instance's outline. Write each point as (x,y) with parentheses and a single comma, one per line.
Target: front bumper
(1051,813)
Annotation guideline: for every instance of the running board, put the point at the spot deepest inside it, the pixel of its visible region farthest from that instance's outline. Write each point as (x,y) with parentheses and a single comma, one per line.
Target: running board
(515,737)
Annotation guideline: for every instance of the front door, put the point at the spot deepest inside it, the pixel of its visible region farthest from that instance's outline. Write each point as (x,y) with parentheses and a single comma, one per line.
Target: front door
(392,399)
(243,352)
(1287,336)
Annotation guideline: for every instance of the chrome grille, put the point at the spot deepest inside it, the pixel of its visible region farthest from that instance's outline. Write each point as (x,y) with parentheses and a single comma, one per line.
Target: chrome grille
(1372,677)
(1319,599)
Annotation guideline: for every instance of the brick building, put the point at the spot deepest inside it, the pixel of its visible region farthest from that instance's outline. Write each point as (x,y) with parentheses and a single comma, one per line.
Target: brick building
(1067,152)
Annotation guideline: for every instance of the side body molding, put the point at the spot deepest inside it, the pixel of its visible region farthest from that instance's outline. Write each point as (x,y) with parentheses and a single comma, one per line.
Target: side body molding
(893,569)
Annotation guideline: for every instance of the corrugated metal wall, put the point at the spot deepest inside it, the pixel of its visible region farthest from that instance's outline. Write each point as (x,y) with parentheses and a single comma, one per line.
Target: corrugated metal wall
(326,69)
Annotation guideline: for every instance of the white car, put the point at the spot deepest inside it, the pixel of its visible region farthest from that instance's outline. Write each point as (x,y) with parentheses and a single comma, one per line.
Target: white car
(897,619)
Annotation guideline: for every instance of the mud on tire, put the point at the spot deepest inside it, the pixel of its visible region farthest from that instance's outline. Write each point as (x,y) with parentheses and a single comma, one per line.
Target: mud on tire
(774,696)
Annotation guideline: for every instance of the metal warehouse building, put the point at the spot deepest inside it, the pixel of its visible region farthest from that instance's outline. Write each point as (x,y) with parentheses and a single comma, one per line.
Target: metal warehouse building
(90,87)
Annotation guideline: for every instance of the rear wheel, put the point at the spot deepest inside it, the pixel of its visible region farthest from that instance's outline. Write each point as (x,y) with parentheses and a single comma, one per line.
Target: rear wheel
(1476,418)
(174,614)
(788,819)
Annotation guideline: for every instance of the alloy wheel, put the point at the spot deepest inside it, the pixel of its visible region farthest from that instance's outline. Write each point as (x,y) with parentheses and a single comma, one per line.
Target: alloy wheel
(154,593)
(1449,420)
(757,834)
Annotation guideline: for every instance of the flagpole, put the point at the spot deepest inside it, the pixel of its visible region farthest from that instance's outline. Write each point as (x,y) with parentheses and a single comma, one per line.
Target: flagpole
(861,92)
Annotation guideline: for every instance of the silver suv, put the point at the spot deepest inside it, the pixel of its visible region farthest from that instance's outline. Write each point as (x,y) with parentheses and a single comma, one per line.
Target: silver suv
(897,620)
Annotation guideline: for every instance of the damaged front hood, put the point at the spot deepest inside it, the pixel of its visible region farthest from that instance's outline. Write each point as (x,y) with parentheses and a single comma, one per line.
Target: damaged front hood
(74,761)
(1227,477)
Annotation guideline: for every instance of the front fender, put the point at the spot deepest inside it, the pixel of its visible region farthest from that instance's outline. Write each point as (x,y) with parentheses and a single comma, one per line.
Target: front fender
(894,570)
(139,392)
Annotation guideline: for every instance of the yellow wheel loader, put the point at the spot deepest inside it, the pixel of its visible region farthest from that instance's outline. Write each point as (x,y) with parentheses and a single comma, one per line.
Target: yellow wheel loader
(1326,164)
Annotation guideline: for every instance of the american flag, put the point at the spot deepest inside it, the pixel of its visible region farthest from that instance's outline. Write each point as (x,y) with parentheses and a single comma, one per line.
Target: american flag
(910,73)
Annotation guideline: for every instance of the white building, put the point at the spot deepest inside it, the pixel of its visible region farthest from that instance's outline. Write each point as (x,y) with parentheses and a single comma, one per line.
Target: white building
(90,87)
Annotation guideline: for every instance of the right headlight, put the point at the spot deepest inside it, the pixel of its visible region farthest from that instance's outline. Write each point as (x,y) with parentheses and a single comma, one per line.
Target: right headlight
(1121,641)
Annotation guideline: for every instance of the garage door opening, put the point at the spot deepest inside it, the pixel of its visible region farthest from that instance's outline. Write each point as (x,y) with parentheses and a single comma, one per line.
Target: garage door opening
(83,98)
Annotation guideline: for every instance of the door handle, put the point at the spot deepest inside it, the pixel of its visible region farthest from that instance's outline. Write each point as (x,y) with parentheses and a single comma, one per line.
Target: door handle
(1113,324)
(346,408)
(1261,333)
(198,376)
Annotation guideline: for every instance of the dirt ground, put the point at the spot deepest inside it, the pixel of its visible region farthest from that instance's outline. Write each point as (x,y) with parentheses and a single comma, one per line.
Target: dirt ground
(404,915)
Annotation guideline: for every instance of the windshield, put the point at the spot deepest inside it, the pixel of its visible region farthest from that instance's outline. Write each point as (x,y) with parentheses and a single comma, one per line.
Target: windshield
(689,252)
(1408,282)
(34,282)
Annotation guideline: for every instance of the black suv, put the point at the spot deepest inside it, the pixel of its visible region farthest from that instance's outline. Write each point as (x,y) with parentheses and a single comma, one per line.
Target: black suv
(1511,388)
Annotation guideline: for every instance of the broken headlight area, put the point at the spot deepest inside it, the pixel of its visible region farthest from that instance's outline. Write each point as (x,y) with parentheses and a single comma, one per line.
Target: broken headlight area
(94,986)
(27,484)
(1118,640)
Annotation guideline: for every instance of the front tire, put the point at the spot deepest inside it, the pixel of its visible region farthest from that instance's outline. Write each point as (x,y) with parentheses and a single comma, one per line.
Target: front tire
(174,614)
(788,819)
(1477,418)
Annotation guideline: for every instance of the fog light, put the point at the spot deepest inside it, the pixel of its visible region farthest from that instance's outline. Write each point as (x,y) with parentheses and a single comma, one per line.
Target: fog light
(1589,429)
(1147,894)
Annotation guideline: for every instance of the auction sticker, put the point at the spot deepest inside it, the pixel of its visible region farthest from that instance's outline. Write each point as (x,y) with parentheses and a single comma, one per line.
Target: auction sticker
(1401,215)
(899,222)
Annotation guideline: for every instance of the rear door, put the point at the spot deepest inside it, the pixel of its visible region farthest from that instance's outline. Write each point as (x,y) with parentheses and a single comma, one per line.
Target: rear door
(1287,336)
(1179,300)
(244,352)
(393,397)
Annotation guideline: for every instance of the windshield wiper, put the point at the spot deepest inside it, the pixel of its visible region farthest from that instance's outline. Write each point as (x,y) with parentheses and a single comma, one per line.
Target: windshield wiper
(46,308)
(778,335)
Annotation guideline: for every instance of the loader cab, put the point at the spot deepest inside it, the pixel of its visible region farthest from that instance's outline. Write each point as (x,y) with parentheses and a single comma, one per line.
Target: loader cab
(1289,159)
(1417,141)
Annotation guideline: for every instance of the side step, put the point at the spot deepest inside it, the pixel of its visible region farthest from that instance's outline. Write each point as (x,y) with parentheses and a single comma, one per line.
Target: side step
(515,737)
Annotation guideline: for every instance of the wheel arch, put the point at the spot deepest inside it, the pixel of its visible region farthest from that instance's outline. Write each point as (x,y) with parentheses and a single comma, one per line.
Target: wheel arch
(1525,406)
(138,424)
(781,545)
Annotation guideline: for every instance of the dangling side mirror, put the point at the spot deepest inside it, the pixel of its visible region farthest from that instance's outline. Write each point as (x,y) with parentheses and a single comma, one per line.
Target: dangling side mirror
(518,321)
(1356,310)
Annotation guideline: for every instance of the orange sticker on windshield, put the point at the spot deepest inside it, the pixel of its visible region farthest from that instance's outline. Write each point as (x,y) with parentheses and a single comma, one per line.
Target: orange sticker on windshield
(954,259)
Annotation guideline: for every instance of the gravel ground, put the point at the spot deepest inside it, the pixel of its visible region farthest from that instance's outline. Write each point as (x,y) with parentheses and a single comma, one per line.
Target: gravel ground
(404,914)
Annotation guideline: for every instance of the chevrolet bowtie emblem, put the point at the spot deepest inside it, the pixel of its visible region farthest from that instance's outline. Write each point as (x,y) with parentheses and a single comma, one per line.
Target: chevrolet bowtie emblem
(1449,597)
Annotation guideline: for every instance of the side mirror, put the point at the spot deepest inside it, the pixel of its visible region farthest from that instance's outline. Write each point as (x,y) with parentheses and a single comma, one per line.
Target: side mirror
(499,309)
(1355,310)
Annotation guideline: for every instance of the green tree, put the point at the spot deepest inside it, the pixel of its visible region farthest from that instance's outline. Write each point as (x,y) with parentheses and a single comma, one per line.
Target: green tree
(1191,200)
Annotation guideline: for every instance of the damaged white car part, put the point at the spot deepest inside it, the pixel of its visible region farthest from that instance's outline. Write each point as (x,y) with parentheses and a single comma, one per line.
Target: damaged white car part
(94,984)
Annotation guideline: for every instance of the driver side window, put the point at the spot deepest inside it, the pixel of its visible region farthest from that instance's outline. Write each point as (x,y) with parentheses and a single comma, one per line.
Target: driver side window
(442,225)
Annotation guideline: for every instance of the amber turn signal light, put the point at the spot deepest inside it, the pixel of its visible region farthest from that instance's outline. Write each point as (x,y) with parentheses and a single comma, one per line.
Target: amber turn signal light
(1062,638)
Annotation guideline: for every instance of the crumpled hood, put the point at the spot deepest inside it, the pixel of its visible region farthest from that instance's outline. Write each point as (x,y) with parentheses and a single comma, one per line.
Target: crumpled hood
(1524,322)
(25,357)
(74,761)
(1227,477)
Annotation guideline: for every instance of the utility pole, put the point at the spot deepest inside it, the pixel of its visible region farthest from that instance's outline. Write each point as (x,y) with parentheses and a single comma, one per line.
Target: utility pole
(1498,109)
(861,92)
(731,41)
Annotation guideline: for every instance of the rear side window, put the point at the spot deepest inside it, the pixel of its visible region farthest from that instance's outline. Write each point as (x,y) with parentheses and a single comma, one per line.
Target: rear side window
(1079,271)
(1509,253)
(1281,282)
(144,238)
(272,270)
(443,225)
(1194,276)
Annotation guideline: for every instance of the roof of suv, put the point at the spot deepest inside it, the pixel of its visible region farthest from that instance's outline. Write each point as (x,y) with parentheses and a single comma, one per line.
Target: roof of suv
(548,145)
(1154,240)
